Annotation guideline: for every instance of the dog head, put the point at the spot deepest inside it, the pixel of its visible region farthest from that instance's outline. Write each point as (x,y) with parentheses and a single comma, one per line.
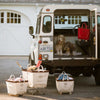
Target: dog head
(61,39)
(69,47)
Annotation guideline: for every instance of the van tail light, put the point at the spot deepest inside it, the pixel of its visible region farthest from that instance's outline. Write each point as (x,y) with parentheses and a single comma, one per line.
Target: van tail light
(40,41)
(47,9)
(40,57)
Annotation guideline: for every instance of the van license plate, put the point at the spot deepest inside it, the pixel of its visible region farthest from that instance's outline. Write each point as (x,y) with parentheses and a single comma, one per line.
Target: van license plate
(45,48)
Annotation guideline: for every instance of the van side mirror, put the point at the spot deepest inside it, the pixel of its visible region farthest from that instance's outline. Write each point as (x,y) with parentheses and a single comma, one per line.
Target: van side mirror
(31,30)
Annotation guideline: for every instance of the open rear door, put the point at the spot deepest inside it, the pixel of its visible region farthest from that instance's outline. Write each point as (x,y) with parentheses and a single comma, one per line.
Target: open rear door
(93,28)
(98,31)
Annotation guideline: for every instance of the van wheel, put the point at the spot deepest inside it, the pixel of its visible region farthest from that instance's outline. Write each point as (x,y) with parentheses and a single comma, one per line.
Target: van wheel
(87,74)
(97,75)
(30,61)
(75,74)
(51,72)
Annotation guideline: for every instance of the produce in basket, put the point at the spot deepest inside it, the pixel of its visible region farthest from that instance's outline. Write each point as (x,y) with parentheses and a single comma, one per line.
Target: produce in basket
(35,67)
(20,79)
(64,76)
(29,68)
(32,68)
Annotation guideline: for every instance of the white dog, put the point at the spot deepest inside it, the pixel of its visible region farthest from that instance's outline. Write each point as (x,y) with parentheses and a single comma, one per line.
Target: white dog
(60,44)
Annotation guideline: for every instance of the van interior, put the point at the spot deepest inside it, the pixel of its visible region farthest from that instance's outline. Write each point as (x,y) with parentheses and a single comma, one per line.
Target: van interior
(67,24)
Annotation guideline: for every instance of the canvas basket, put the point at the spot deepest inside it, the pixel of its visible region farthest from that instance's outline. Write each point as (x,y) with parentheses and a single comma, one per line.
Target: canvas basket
(38,79)
(16,87)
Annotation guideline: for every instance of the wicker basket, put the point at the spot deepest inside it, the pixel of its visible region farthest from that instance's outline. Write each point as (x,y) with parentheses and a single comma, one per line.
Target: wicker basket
(65,86)
(38,79)
(16,88)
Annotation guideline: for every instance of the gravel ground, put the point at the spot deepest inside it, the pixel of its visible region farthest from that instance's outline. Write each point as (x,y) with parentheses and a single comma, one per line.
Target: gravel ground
(84,89)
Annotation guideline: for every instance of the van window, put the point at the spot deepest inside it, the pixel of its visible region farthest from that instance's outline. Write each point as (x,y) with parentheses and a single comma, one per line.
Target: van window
(47,24)
(98,20)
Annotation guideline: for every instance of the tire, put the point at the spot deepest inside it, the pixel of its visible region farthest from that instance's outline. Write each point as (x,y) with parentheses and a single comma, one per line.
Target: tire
(87,74)
(75,74)
(49,68)
(51,71)
(30,61)
(97,75)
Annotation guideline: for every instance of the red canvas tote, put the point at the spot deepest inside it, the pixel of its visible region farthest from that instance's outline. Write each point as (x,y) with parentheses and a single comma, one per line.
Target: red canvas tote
(83,33)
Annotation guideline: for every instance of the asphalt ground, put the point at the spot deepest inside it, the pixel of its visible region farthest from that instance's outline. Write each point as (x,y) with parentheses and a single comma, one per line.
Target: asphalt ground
(84,87)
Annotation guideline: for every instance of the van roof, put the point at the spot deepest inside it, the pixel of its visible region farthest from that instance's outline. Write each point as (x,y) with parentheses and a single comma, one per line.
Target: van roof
(52,8)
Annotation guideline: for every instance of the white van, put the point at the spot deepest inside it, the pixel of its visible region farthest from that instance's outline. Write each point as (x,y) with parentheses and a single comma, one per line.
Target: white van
(72,54)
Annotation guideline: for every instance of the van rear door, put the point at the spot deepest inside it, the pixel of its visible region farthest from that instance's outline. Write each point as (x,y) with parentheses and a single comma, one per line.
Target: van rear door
(94,31)
(46,37)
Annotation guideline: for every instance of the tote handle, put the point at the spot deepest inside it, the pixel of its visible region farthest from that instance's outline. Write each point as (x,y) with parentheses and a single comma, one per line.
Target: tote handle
(12,77)
(85,25)
(21,76)
(41,67)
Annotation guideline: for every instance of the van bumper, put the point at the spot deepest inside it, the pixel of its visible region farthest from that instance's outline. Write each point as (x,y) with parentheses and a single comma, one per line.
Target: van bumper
(71,63)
